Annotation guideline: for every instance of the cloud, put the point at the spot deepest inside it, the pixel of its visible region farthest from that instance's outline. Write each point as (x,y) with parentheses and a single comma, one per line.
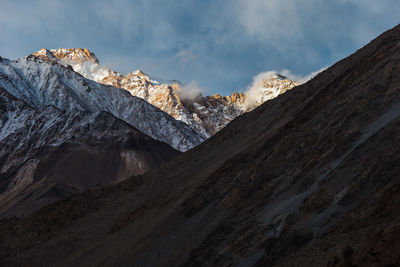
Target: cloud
(190,91)
(255,92)
(300,79)
(278,20)
(184,56)
(218,43)
(269,19)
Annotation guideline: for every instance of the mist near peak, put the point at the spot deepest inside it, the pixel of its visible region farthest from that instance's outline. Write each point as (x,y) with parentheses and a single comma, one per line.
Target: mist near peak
(255,92)
(300,79)
(190,91)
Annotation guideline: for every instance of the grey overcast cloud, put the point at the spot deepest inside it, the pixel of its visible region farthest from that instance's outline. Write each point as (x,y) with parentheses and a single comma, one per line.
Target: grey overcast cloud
(218,45)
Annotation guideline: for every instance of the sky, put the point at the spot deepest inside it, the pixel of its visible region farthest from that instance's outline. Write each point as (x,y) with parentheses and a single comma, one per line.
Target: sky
(219,45)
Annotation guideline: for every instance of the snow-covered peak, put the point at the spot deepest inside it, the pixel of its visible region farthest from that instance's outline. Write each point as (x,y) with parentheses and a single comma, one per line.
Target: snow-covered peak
(86,63)
(266,86)
(274,75)
(206,115)
(139,73)
(68,55)
(281,77)
(81,60)
(42,82)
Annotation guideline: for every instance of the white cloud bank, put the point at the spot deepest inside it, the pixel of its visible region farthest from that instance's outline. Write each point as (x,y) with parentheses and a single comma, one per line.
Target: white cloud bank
(299,79)
(190,91)
(254,91)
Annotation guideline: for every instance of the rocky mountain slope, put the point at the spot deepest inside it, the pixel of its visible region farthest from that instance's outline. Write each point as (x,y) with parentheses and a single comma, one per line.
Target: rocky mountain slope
(206,115)
(52,115)
(310,178)
(48,154)
(42,82)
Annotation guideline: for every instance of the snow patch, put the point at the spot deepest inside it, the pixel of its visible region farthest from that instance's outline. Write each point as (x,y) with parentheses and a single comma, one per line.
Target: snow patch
(278,82)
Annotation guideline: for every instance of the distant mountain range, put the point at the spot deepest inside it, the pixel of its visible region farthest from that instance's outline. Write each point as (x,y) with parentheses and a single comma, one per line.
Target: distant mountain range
(68,125)
(205,114)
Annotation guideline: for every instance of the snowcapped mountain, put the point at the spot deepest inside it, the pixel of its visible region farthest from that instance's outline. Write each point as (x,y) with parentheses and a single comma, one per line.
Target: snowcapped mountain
(272,85)
(67,124)
(61,133)
(205,114)
(48,154)
(43,81)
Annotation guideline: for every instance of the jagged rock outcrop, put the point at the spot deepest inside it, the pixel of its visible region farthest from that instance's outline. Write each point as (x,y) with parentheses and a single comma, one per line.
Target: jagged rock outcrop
(268,89)
(71,55)
(42,81)
(61,133)
(48,154)
(205,114)
(58,103)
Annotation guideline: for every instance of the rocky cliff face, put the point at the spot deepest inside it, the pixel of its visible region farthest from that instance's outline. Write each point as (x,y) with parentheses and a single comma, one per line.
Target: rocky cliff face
(206,115)
(71,55)
(48,154)
(310,178)
(54,122)
(43,81)
(62,134)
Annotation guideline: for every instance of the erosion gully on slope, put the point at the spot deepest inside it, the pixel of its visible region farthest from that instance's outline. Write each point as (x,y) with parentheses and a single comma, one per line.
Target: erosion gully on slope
(275,213)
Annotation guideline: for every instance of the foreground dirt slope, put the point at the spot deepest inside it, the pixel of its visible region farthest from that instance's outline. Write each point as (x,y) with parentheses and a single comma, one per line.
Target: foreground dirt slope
(310,178)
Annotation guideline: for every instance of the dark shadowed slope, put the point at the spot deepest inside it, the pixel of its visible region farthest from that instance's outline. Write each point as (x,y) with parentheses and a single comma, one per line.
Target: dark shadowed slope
(309,178)
(47,154)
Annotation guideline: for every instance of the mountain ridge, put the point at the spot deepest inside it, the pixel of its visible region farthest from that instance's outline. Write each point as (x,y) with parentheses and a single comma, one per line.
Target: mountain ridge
(40,83)
(48,154)
(205,114)
(62,102)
